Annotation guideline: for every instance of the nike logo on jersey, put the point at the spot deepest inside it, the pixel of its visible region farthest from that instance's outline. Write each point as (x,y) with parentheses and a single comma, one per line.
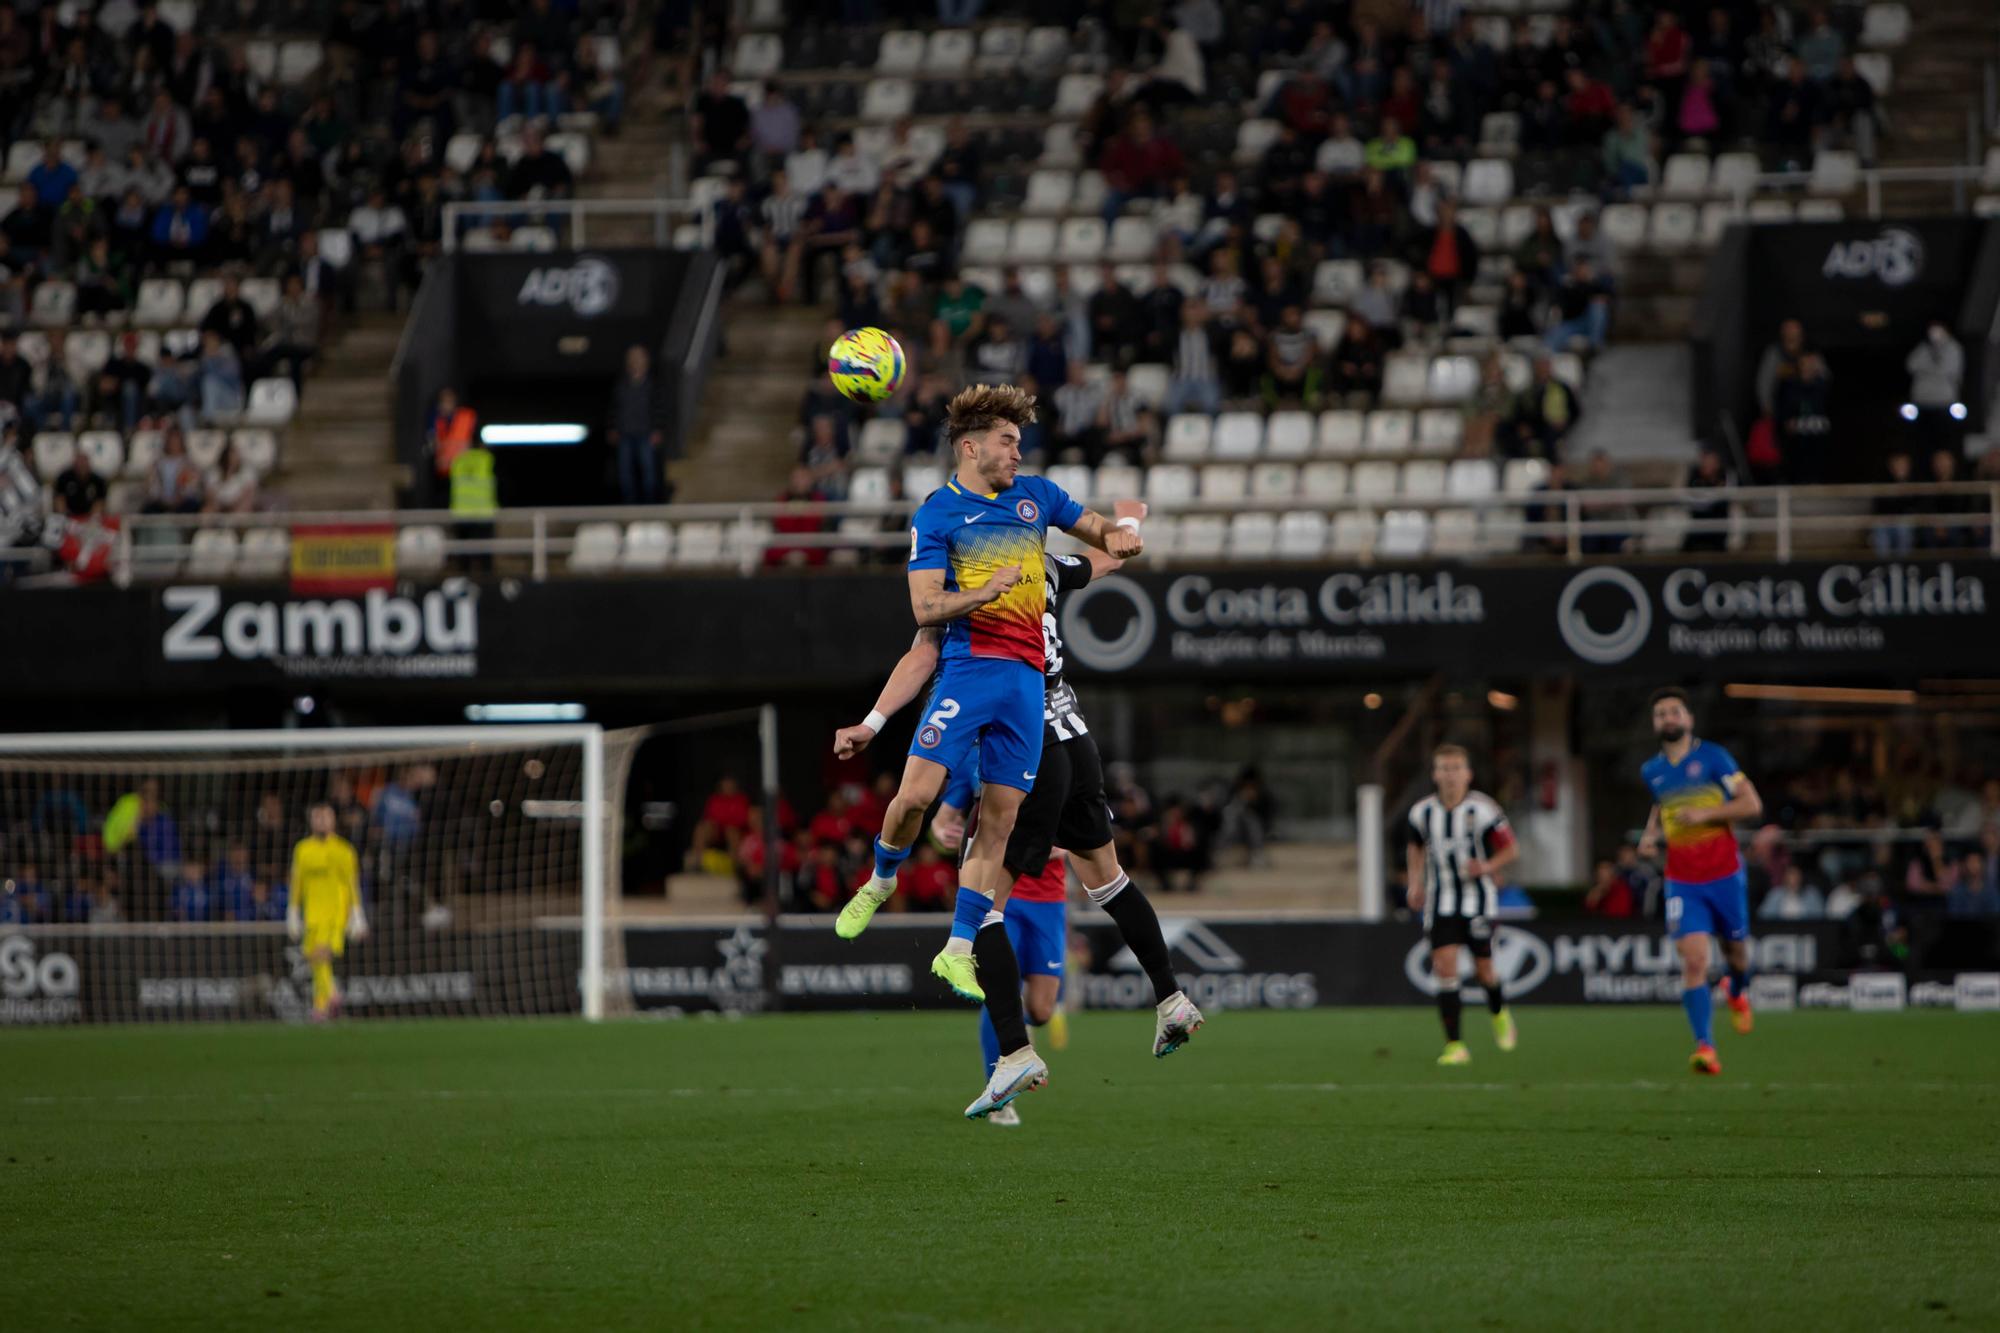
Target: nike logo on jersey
(972,518)
(1030,777)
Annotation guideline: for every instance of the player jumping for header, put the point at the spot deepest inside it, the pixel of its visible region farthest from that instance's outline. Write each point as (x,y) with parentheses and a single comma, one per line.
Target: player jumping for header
(977,570)
(1698,792)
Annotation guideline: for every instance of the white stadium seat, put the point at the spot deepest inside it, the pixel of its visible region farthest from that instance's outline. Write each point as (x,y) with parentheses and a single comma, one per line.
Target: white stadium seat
(1624,225)
(881,440)
(1835,171)
(1439,430)
(85,352)
(1685,176)
(1203,536)
(1225,482)
(1821,210)
(1032,240)
(1274,481)
(1885,25)
(1353,533)
(1323,480)
(1059,146)
(142,447)
(1301,535)
(1735,174)
(1288,435)
(1423,479)
(212,552)
(54,451)
(948,52)
(1453,379)
(901,52)
(1169,483)
(1075,480)
(985,241)
(1253,139)
(1405,533)
(1117,481)
(1000,49)
(1253,536)
(759,55)
(1341,433)
(1471,479)
(299,60)
(888,99)
(699,544)
(1189,438)
(273,401)
(1082,240)
(159,303)
(1049,191)
(1489,182)
(54,305)
(1454,532)
(205,448)
(1147,381)
(1238,435)
(1132,239)
(1046,48)
(1674,227)
(264,551)
(1523,475)
(1771,211)
(1878,70)
(1405,378)
(1075,94)
(420,548)
(649,545)
(105,449)
(1389,431)
(1373,480)
(1337,281)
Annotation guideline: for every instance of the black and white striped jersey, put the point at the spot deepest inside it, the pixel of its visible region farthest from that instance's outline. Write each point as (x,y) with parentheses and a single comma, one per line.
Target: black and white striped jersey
(1060,716)
(1449,837)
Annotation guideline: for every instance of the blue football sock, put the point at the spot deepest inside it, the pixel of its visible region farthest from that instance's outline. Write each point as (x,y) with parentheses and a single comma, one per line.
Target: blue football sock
(989,1042)
(969,913)
(888,859)
(1700,1008)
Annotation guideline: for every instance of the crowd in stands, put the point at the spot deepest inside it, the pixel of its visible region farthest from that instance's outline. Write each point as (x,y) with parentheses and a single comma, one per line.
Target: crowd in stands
(176,850)
(1356,136)
(229,196)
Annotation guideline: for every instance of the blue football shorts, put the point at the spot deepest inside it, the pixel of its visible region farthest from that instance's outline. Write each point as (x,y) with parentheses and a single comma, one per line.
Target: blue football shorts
(993,703)
(1039,933)
(1714,907)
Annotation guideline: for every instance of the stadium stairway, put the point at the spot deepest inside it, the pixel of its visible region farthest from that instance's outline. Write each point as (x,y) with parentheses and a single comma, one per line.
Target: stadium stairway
(1928,104)
(339,450)
(750,409)
(1635,409)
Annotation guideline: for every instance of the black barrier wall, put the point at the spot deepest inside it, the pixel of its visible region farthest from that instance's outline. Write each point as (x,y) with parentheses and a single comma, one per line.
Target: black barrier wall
(784,633)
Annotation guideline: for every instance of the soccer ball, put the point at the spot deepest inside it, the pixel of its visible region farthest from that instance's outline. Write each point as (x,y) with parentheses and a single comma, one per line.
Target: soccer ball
(866,365)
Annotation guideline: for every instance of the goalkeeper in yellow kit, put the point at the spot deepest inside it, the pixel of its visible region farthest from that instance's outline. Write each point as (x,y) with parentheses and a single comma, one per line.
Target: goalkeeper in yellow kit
(325,908)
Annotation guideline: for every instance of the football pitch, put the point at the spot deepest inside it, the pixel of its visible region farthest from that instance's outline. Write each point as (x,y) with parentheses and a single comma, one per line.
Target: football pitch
(1309,1170)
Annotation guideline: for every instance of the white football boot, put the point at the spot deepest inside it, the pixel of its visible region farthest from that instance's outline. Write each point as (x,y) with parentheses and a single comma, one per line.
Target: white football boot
(1022,1071)
(1177,1020)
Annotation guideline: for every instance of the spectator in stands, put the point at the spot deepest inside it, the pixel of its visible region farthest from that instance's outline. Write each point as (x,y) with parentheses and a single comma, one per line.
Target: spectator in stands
(926,880)
(20,500)
(230,486)
(1889,540)
(79,491)
(219,378)
(1391,152)
(1937,371)
(853,169)
(166,131)
(801,490)
(1948,536)
(292,341)
(1195,358)
(1821,47)
(1599,474)
(1792,898)
(54,405)
(1699,115)
(1137,163)
(824,453)
(1486,410)
(1246,817)
(725,818)
(52,177)
(232,317)
(174,485)
(232,886)
(23,899)
(475,498)
(1376,305)
(1126,422)
(1668,52)
(775,129)
(1447,253)
(1804,404)
(1519,314)
(16,375)
(1583,310)
(191,900)
(1793,115)
(1628,152)
(1357,364)
(1974,893)
(1080,404)
(1852,120)
(180,228)
(806,166)
(450,429)
(1292,368)
(1544,117)
(1588,108)
(535,89)
(1243,363)
(1115,322)
(1047,354)
(103,283)
(1609,894)
(1710,474)
(1340,154)
(995,355)
(28,227)
(831,222)
(1544,413)
(599,87)
(1550,513)
(640,443)
(539,172)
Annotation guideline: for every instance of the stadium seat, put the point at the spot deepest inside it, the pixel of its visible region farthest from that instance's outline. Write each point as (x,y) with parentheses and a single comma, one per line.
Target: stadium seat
(264,551)
(1189,438)
(1117,481)
(1471,479)
(158,304)
(263,294)
(105,449)
(1032,240)
(1483,225)
(1075,480)
(881,440)
(1341,433)
(1517,223)
(1045,49)
(1439,430)
(21,159)
(1147,382)
(1075,94)
(1225,482)
(1059,147)
(1454,532)
(888,99)
(261,56)
(1082,240)
(1327,327)
(1253,536)
(1716,216)
(1336,282)
(1771,211)
(1000,49)
(1624,225)
(1353,533)
(1323,480)
(1986,206)
(868,485)
(85,352)
(1502,529)
(948,53)
(1238,436)
(54,450)
(1523,475)
(1735,175)
(1489,182)
(298,60)
(1835,171)
(1568,367)
(202,294)
(1675,227)
(1475,321)
(1274,481)
(1878,70)
(54,305)
(573,149)
(985,241)
(1453,379)
(1049,191)
(649,545)
(1685,176)
(1885,25)
(1405,378)
(1406,533)
(273,401)
(420,549)
(1203,536)
(759,55)
(1390,431)
(1288,435)
(143,447)
(1253,139)
(1170,484)
(596,547)
(1132,239)
(1423,479)
(1499,134)
(1301,535)
(699,544)
(901,52)
(1821,210)
(1087,196)
(920,479)
(1373,480)
(212,552)
(1663,529)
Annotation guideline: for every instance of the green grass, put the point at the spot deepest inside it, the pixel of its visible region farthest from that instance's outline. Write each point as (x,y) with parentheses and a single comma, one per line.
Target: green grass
(1289,1170)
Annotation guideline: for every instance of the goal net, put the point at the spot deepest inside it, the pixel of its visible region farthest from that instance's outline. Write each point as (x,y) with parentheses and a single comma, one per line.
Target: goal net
(146,876)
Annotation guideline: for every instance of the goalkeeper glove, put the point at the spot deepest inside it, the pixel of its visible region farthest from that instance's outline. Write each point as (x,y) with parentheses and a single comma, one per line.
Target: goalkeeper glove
(357,923)
(293,926)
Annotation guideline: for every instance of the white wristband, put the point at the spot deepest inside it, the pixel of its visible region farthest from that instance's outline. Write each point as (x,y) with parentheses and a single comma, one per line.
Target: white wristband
(1129,522)
(875,721)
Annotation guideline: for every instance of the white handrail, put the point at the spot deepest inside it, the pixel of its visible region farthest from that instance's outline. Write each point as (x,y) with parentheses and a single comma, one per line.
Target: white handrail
(578,212)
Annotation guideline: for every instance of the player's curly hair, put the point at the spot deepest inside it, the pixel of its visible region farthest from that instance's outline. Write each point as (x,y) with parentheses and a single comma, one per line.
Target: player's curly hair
(984,406)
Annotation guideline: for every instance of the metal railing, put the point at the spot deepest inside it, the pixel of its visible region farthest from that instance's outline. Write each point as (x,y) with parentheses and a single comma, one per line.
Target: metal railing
(571,218)
(1871,182)
(1778,523)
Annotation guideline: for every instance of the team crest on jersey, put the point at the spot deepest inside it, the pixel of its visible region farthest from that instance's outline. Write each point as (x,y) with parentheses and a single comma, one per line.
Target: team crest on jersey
(1694,769)
(1028,511)
(929,737)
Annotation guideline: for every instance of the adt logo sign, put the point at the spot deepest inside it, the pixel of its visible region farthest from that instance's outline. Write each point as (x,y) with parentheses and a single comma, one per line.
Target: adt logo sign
(1624,606)
(589,287)
(1521,960)
(1122,630)
(1894,258)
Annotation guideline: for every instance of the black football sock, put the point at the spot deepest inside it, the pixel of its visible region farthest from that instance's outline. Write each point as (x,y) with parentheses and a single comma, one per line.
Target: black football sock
(1127,905)
(1000,978)
(1496,996)
(1449,1006)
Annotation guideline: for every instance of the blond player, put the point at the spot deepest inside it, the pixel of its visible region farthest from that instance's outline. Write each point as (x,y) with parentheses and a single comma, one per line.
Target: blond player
(325,908)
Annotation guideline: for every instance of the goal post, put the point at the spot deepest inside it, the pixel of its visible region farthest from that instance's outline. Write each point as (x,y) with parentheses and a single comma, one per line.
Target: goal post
(145,875)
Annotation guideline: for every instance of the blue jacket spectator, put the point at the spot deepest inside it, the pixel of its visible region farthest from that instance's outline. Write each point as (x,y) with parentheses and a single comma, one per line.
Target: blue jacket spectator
(52,177)
(180,226)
